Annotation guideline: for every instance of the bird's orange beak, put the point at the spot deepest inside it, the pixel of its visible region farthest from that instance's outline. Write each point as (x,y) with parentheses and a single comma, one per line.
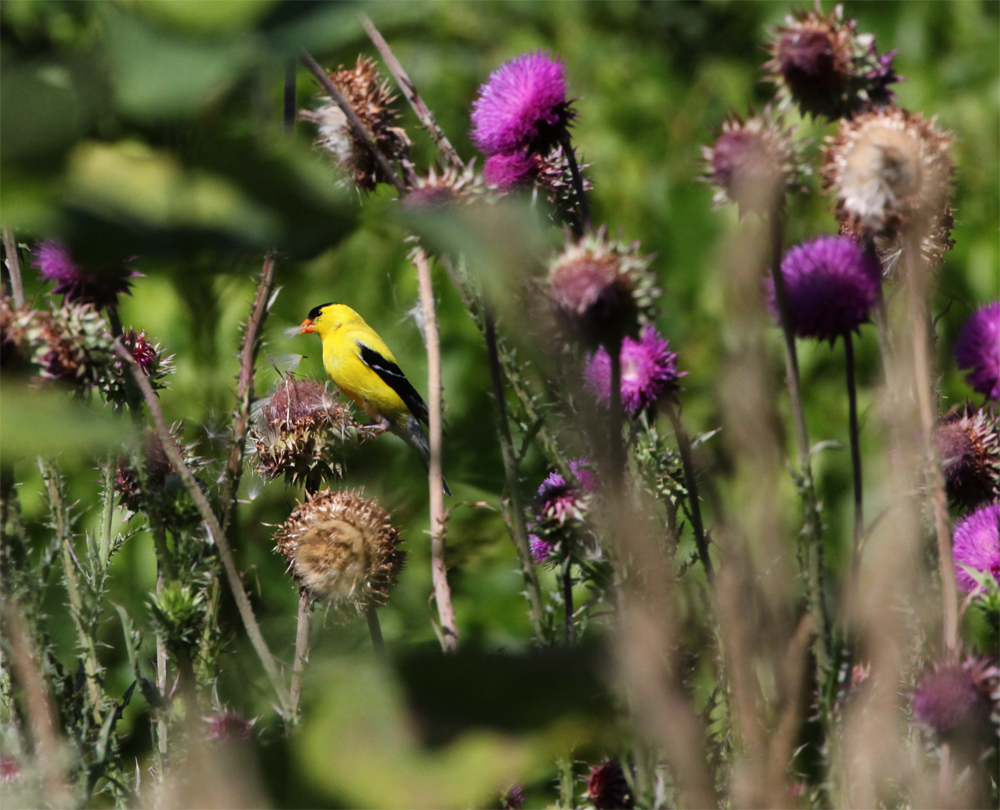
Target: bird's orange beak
(307,326)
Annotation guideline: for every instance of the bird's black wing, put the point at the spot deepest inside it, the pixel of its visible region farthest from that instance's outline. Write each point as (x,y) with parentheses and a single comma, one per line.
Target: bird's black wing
(393,376)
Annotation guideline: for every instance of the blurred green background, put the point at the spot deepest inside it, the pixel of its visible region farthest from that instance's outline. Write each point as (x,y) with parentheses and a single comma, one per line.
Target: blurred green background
(154,129)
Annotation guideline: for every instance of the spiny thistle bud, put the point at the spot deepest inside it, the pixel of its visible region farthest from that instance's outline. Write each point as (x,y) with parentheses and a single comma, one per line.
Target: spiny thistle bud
(299,431)
(608,788)
(176,613)
(978,349)
(71,344)
(342,549)
(976,547)
(512,798)
(98,287)
(370,98)
(832,285)
(228,727)
(154,483)
(601,288)
(954,697)
(751,162)
(890,170)
(12,349)
(969,445)
(823,65)
(522,106)
(450,187)
(648,371)
(150,358)
(550,173)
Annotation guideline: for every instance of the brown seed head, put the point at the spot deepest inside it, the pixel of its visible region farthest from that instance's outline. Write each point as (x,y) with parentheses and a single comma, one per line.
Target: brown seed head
(342,549)
(890,170)
(300,432)
(369,96)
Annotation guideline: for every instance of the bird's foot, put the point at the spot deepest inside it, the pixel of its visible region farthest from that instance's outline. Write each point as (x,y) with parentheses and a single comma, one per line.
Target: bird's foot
(376,429)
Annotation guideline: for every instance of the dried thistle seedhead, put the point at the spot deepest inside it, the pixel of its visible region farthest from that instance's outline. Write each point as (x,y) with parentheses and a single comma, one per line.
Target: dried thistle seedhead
(300,431)
(342,549)
(822,64)
(752,162)
(601,289)
(369,96)
(450,187)
(890,170)
(969,444)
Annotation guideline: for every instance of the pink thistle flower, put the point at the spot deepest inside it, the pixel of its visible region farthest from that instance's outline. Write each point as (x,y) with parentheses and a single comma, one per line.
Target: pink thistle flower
(541,550)
(649,370)
(561,501)
(976,545)
(53,260)
(608,788)
(978,348)
(510,170)
(522,105)
(228,727)
(956,695)
(832,285)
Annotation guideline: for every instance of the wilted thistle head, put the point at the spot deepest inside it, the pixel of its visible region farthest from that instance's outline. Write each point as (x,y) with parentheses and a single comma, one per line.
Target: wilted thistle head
(954,697)
(369,96)
(978,349)
(300,430)
(976,546)
(751,162)
(600,288)
(447,188)
(969,445)
(98,287)
(648,371)
(832,284)
(608,787)
(342,549)
(823,65)
(522,106)
(560,500)
(890,170)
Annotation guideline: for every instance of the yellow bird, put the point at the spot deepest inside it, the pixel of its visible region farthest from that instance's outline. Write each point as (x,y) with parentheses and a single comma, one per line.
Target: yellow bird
(361,365)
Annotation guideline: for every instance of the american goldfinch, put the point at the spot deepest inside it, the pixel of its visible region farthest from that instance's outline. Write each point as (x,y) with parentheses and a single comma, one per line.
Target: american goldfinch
(361,365)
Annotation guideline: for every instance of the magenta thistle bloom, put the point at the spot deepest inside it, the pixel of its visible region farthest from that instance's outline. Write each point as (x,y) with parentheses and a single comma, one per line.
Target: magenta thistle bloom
(561,501)
(522,105)
(976,545)
(10,770)
(956,695)
(649,370)
(978,348)
(541,550)
(510,169)
(102,288)
(832,285)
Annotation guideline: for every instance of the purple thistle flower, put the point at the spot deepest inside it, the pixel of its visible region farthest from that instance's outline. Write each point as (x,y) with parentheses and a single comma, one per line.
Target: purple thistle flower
(510,169)
(559,500)
(102,288)
(944,698)
(976,545)
(523,104)
(541,550)
(649,370)
(607,787)
(832,285)
(10,770)
(978,348)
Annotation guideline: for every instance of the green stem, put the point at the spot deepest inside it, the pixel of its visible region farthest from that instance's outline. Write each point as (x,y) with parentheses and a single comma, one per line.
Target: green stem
(690,479)
(375,629)
(568,600)
(852,403)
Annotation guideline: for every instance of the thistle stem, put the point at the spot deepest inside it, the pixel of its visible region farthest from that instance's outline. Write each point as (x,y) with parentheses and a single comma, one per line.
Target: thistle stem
(301,653)
(410,92)
(288,106)
(375,629)
(616,443)
(583,207)
(13,267)
(852,403)
(439,572)
(214,527)
(921,326)
(691,481)
(568,600)
(520,533)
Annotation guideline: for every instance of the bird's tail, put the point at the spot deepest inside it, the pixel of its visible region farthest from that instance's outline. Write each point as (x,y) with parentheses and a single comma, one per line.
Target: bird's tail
(412,432)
